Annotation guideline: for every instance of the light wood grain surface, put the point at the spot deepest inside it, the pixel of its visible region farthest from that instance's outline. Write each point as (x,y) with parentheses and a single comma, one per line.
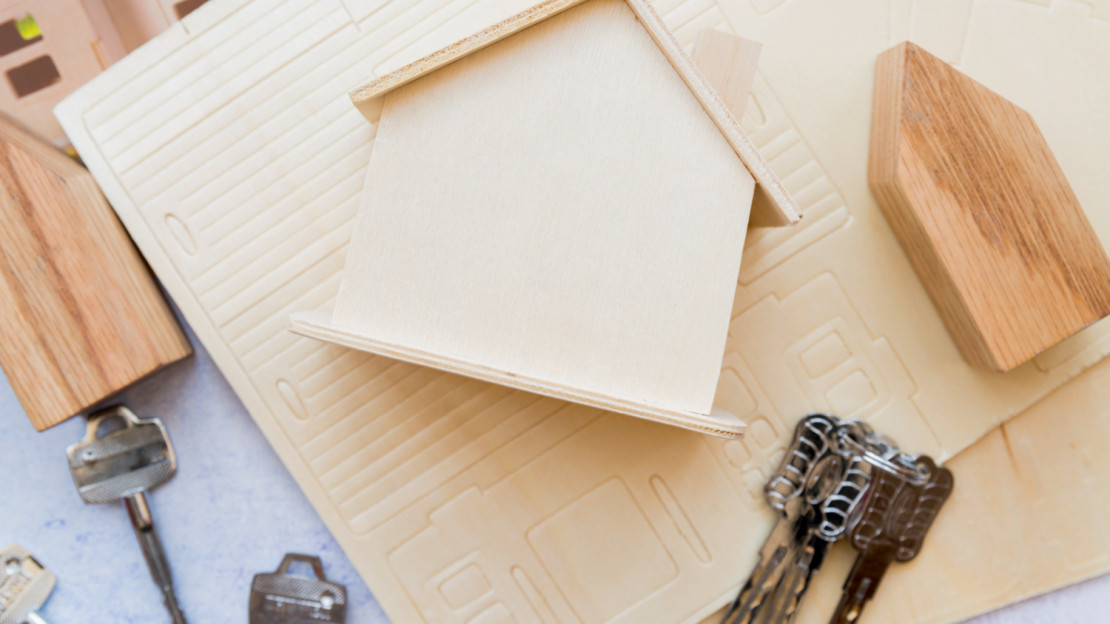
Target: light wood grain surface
(80,314)
(774,205)
(729,63)
(555,212)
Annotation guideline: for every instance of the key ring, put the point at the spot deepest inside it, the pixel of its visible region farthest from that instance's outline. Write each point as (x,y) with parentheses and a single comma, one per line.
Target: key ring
(881,453)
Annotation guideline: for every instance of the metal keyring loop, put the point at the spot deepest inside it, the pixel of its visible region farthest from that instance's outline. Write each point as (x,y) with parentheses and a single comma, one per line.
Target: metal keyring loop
(914,474)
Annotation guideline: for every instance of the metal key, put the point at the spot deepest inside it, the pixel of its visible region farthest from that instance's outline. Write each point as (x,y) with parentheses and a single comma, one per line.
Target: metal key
(814,490)
(122,466)
(25,584)
(904,498)
(826,521)
(284,598)
(811,442)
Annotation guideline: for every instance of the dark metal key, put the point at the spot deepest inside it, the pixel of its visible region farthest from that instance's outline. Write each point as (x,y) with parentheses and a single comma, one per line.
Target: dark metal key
(890,525)
(836,488)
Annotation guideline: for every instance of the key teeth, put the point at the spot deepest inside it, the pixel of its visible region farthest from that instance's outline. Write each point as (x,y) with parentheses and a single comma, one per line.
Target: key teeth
(887,505)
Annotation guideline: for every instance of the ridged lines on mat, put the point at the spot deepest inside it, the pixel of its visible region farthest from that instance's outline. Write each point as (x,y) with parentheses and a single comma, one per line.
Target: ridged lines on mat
(167,124)
(184,70)
(380,443)
(259,116)
(190,164)
(182,101)
(515,442)
(478,412)
(274,252)
(318,297)
(115,106)
(260,261)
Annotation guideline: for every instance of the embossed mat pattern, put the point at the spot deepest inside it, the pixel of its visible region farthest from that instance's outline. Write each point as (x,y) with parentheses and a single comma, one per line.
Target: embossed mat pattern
(232,154)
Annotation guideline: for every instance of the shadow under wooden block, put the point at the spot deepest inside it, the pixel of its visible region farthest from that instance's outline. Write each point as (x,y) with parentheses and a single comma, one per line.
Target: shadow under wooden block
(80,314)
(574,231)
(983,211)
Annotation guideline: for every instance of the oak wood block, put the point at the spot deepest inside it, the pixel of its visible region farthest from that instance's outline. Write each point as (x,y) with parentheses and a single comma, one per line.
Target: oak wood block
(80,315)
(983,211)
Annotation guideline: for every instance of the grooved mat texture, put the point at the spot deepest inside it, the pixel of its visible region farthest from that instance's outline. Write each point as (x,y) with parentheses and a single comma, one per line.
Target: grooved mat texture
(235,159)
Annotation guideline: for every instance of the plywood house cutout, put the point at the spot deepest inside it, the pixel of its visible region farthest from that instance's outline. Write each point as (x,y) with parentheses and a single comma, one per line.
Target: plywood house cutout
(557,204)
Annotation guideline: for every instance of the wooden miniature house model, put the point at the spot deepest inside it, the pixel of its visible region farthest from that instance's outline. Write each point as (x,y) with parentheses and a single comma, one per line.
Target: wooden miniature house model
(557,204)
(48,49)
(983,210)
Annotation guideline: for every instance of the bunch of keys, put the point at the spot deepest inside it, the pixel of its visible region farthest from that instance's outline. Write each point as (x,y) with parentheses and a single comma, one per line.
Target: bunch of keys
(122,466)
(839,478)
(24,586)
(284,598)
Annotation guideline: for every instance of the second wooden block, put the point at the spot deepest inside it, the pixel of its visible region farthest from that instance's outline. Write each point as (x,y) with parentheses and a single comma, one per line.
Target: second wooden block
(80,315)
(983,211)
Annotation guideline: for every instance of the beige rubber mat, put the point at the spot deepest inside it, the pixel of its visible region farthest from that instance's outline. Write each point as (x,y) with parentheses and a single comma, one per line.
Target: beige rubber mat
(235,159)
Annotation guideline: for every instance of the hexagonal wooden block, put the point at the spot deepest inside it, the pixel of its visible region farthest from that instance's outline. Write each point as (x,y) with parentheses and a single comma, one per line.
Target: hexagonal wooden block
(983,211)
(80,315)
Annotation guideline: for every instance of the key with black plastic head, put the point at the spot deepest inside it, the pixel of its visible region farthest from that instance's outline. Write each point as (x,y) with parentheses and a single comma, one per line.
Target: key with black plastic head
(811,442)
(834,489)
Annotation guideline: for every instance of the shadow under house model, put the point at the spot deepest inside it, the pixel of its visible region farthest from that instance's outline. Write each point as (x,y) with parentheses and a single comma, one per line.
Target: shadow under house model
(556,204)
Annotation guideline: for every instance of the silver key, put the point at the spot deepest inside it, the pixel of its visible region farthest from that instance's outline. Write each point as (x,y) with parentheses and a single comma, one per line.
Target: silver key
(904,498)
(814,489)
(283,598)
(122,466)
(25,584)
(826,522)
(811,442)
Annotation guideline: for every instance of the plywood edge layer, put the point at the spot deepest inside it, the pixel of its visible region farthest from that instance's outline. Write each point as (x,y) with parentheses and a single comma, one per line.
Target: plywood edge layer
(318,326)
(363,95)
(773,205)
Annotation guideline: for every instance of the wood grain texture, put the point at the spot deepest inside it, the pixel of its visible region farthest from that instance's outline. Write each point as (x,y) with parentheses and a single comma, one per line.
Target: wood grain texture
(577,230)
(775,205)
(729,64)
(983,211)
(719,423)
(80,314)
